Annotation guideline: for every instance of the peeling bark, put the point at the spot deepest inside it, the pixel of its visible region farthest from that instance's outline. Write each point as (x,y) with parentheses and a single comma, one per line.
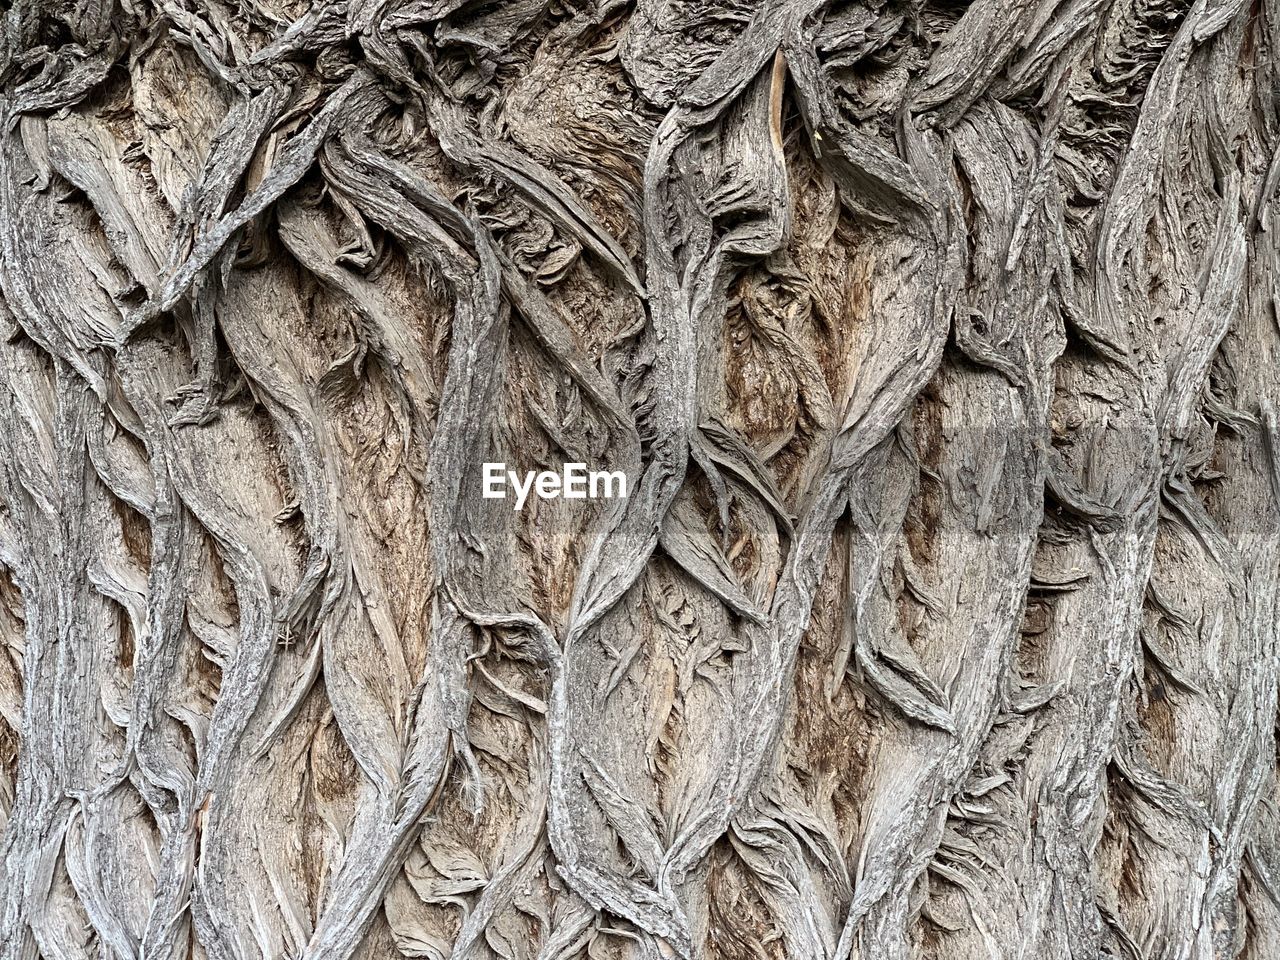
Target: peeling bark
(938,343)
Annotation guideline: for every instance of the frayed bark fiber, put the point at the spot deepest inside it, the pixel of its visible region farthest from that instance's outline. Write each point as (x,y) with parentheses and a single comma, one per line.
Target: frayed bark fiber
(937,343)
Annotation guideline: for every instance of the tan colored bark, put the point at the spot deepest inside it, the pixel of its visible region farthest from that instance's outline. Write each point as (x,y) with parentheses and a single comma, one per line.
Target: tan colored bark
(938,343)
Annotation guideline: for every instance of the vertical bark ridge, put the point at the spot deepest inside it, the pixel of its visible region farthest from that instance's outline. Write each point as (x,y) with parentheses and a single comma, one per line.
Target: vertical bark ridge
(936,342)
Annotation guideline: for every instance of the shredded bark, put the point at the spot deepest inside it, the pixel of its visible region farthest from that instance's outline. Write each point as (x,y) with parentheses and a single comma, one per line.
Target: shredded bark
(940,348)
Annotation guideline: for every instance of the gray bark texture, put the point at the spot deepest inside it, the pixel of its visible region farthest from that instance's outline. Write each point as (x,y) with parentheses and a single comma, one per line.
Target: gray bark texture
(938,341)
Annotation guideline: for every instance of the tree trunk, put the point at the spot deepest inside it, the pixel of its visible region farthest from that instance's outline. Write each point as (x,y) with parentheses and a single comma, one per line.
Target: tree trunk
(936,342)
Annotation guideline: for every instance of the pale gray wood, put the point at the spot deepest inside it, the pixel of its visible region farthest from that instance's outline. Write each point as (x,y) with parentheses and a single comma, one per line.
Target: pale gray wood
(938,343)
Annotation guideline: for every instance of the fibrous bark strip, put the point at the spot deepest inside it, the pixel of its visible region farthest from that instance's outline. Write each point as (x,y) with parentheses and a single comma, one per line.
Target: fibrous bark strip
(938,343)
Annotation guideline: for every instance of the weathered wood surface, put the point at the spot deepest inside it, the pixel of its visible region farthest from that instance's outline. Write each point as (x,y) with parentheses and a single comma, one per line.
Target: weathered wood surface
(938,342)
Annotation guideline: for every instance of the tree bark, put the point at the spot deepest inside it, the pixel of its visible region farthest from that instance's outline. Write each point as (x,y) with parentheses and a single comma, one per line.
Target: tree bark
(938,343)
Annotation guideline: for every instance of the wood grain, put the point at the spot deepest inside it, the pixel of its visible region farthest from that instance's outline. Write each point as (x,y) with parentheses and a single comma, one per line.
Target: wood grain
(938,343)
